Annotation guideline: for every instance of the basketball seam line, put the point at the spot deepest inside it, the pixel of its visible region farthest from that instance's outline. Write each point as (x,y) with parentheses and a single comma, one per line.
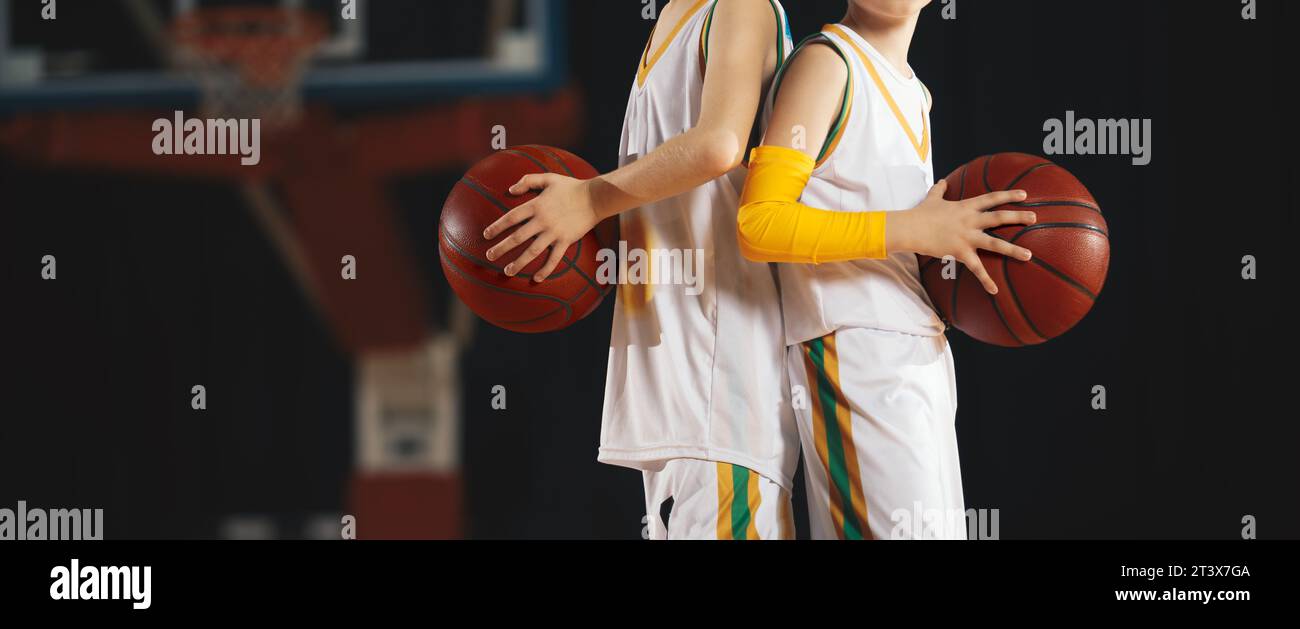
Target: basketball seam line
(1061,274)
(1055,202)
(1046,203)
(988,160)
(1037,203)
(529,158)
(1015,297)
(555,157)
(1059,225)
(1026,174)
(481,189)
(1068,280)
(570,263)
(563,304)
(953,315)
(993,300)
(489,265)
(1005,270)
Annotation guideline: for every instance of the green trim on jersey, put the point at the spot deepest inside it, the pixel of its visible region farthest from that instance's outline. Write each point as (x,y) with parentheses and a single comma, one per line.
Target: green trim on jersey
(838,128)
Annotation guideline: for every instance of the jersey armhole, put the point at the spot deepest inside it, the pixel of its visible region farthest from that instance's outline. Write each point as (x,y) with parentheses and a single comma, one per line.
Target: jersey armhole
(846,102)
(782,28)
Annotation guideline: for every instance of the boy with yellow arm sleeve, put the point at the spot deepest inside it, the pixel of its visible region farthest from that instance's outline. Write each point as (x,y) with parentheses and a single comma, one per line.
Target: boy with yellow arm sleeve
(863,342)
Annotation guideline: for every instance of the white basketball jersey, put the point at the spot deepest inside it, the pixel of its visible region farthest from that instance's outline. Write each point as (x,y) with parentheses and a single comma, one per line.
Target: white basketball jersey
(696,359)
(877,158)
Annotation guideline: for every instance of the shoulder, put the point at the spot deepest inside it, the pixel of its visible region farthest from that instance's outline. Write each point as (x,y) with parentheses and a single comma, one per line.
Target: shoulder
(745,7)
(809,97)
(747,14)
(816,65)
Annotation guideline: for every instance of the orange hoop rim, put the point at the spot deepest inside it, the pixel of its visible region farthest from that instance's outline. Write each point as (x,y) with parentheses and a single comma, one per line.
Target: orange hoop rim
(263,37)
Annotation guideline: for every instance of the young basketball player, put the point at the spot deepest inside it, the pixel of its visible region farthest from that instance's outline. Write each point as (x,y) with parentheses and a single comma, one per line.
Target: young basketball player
(850,130)
(695,380)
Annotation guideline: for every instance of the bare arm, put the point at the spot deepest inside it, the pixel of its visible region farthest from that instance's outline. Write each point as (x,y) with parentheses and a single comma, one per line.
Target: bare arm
(741,58)
(809,101)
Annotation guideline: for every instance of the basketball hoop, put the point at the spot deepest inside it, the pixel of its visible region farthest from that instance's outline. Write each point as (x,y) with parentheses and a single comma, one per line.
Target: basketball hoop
(248,62)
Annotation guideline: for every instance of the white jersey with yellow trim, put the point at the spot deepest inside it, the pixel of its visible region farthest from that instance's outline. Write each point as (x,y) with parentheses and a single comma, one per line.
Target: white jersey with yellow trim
(877,158)
(696,359)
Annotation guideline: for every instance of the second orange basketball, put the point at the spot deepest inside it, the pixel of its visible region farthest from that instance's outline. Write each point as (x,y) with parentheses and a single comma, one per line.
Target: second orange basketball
(1040,299)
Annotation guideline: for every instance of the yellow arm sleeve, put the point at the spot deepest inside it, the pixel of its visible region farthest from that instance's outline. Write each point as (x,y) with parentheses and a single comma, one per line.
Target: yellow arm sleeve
(773,226)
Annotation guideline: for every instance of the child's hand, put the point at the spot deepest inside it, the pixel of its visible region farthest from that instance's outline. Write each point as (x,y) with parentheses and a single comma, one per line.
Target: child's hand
(937,228)
(560,216)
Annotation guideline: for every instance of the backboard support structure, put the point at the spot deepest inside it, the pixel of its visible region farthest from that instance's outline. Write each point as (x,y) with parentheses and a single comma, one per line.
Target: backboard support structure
(96,54)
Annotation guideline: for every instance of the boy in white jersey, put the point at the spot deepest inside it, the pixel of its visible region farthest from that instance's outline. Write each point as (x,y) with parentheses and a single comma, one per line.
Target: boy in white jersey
(850,130)
(693,391)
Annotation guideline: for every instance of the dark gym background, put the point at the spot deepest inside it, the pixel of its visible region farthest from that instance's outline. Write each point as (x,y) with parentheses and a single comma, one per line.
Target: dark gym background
(175,288)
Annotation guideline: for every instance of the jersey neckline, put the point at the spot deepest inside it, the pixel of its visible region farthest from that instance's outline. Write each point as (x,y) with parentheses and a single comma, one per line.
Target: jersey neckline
(880,57)
(648,62)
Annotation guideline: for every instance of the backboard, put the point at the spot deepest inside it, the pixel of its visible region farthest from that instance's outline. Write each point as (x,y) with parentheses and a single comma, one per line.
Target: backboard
(111,53)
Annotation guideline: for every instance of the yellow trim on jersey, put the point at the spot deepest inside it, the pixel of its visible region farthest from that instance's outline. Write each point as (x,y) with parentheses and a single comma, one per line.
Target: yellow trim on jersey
(648,62)
(841,123)
(923,146)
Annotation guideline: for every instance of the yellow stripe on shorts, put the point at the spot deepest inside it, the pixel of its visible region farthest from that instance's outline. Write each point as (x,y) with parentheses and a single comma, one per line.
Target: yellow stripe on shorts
(833,437)
(738,502)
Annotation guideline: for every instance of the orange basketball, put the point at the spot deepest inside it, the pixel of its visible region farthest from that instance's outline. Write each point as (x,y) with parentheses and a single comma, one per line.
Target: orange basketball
(1040,299)
(517,303)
